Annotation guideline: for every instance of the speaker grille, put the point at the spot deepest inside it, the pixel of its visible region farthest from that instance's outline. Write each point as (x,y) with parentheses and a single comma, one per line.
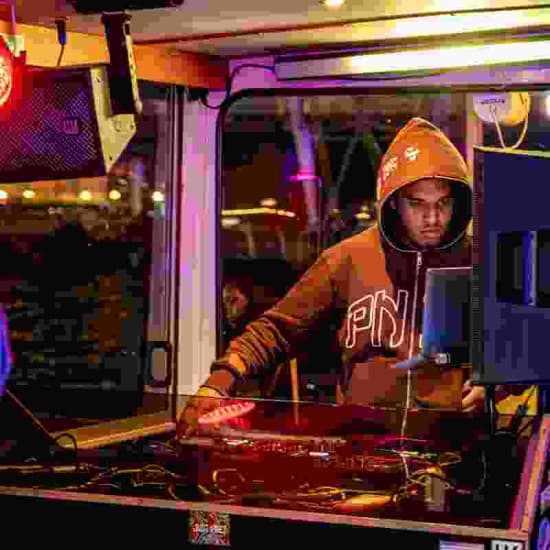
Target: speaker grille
(52,133)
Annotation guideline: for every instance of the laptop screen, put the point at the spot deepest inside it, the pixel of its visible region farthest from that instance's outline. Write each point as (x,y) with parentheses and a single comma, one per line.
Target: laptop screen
(446,318)
(446,321)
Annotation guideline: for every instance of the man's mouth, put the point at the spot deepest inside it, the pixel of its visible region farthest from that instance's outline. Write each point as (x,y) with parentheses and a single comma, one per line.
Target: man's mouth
(431,232)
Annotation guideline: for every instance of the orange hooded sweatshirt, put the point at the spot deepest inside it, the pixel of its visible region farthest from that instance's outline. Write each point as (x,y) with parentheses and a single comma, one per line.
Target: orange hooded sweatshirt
(369,286)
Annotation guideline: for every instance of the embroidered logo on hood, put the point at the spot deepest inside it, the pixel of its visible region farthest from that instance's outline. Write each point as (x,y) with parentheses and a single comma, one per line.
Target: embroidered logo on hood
(411,153)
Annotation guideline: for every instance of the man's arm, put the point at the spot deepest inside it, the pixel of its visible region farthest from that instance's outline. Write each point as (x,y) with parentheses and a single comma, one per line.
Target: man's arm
(269,340)
(272,338)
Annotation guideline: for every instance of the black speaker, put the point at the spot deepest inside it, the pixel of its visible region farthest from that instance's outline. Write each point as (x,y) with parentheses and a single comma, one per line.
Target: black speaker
(60,126)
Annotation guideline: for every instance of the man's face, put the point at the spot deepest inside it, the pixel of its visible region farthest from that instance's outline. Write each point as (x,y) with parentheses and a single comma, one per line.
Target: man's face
(234,303)
(426,207)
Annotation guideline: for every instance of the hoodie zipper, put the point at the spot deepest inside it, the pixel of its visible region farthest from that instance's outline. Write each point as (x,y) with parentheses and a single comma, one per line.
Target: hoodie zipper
(411,347)
(415,298)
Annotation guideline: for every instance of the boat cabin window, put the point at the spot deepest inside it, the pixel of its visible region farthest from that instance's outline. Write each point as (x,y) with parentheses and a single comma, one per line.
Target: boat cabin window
(85,282)
(298,175)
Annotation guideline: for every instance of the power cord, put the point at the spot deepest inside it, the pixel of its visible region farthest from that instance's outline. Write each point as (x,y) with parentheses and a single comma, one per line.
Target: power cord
(499,131)
(61,26)
(66,435)
(229,83)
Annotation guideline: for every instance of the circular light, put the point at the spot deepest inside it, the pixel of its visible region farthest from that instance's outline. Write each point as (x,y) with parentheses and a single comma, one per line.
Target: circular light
(115,194)
(222,414)
(158,196)
(333,4)
(28,194)
(268,202)
(547,104)
(85,195)
(230,221)
(6,78)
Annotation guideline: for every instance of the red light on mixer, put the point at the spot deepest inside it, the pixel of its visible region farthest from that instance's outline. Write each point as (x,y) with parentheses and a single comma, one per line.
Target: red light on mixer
(227,412)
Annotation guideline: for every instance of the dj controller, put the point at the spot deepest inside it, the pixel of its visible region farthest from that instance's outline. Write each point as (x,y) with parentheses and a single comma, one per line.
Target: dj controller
(328,459)
(247,455)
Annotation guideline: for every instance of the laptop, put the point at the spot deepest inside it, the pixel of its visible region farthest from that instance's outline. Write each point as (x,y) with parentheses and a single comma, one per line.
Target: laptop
(439,367)
(445,320)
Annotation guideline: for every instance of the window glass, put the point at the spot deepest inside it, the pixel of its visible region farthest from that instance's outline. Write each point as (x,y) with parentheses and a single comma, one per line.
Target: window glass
(84,280)
(299,175)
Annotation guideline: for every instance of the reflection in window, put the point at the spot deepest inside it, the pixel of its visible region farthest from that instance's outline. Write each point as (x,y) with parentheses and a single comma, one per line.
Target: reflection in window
(77,279)
(314,160)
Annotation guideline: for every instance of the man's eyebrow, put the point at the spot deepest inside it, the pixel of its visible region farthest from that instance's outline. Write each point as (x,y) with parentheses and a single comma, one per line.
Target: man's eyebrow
(420,199)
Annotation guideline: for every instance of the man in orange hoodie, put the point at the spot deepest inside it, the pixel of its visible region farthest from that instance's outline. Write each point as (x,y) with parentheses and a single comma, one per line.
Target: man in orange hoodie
(369,286)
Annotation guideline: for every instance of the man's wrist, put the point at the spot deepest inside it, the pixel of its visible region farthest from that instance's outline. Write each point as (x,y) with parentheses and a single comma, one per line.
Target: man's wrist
(207,389)
(232,364)
(222,380)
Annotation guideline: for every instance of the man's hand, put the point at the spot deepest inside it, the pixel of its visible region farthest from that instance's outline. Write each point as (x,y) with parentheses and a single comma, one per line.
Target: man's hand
(209,397)
(473,397)
(205,400)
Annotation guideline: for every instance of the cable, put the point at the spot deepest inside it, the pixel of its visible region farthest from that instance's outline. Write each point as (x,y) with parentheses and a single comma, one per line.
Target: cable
(529,395)
(526,425)
(229,83)
(407,406)
(499,131)
(68,436)
(61,26)
(521,412)
(215,474)
(75,446)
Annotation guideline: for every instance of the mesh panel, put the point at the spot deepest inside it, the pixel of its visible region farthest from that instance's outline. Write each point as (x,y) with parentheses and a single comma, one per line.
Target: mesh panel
(52,134)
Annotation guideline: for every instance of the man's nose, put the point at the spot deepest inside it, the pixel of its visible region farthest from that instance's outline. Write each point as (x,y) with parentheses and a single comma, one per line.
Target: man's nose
(431,215)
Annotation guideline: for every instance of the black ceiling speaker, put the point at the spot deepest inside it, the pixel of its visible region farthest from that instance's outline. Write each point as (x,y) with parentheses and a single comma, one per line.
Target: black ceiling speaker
(62,127)
(101,6)
(72,122)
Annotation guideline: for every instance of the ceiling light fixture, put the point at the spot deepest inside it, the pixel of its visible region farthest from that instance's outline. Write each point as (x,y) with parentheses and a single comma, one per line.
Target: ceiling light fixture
(333,4)
(407,60)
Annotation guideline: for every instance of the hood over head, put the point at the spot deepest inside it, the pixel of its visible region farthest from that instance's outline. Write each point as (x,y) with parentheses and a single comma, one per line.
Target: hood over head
(420,150)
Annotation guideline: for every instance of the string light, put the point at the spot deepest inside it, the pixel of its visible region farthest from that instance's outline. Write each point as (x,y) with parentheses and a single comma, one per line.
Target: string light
(270,203)
(262,210)
(115,194)
(158,196)
(85,195)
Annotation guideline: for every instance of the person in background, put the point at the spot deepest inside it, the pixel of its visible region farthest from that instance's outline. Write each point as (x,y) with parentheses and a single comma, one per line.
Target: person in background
(236,298)
(369,286)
